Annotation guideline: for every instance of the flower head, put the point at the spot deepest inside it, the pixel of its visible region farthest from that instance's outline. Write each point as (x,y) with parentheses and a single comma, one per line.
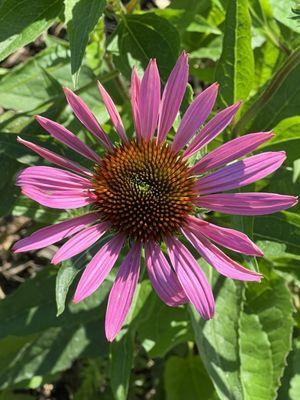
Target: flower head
(145,192)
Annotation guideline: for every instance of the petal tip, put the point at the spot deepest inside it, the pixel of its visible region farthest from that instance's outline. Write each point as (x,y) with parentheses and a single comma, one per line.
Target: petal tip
(110,333)
(54,261)
(209,315)
(67,90)
(15,249)
(76,299)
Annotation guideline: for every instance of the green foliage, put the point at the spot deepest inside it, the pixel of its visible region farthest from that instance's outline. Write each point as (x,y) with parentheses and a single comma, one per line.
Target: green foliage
(186,378)
(245,349)
(163,328)
(138,37)
(122,349)
(251,349)
(236,64)
(34,341)
(81,16)
(22,22)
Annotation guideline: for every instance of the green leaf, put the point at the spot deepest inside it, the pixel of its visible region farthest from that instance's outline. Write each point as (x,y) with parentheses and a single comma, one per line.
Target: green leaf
(236,65)
(281,227)
(65,277)
(23,206)
(26,88)
(163,328)
(121,352)
(282,11)
(266,58)
(31,308)
(122,348)
(35,342)
(69,270)
(185,378)
(244,348)
(50,351)
(138,37)
(201,25)
(212,51)
(8,189)
(294,389)
(279,100)
(264,359)
(217,340)
(22,22)
(35,83)
(81,17)
(256,362)
(287,138)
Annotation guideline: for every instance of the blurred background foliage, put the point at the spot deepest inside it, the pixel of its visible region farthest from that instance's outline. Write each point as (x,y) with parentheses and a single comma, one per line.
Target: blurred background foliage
(53,349)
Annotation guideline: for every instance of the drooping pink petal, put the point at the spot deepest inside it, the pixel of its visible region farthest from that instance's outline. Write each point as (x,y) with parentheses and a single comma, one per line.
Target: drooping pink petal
(87,118)
(195,116)
(134,97)
(172,96)
(98,268)
(230,151)
(219,260)
(229,238)
(80,242)
(191,277)
(61,199)
(163,278)
(54,233)
(55,158)
(247,203)
(51,178)
(62,134)
(113,113)
(212,129)
(241,173)
(122,292)
(149,99)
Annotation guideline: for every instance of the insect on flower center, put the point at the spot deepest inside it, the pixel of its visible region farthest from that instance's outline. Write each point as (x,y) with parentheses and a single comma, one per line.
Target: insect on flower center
(144,190)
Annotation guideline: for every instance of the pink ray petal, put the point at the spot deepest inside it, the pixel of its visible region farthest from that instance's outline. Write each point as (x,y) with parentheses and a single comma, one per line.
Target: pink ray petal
(59,198)
(212,129)
(219,260)
(87,118)
(149,99)
(55,158)
(62,134)
(229,238)
(163,278)
(230,151)
(134,97)
(80,242)
(247,203)
(195,116)
(54,233)
(191,277)
(51,178)
(98,268)
(172,96)
(122,292)
(113,113)
(241,173)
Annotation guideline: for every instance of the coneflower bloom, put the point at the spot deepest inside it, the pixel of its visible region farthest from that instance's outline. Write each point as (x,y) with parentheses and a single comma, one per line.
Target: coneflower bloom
(146,193)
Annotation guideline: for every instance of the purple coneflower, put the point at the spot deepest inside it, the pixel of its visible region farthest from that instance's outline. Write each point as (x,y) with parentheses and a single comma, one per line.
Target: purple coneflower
(145,192)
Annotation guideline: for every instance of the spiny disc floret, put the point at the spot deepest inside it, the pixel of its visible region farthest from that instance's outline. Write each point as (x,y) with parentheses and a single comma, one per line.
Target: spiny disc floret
(144,190)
